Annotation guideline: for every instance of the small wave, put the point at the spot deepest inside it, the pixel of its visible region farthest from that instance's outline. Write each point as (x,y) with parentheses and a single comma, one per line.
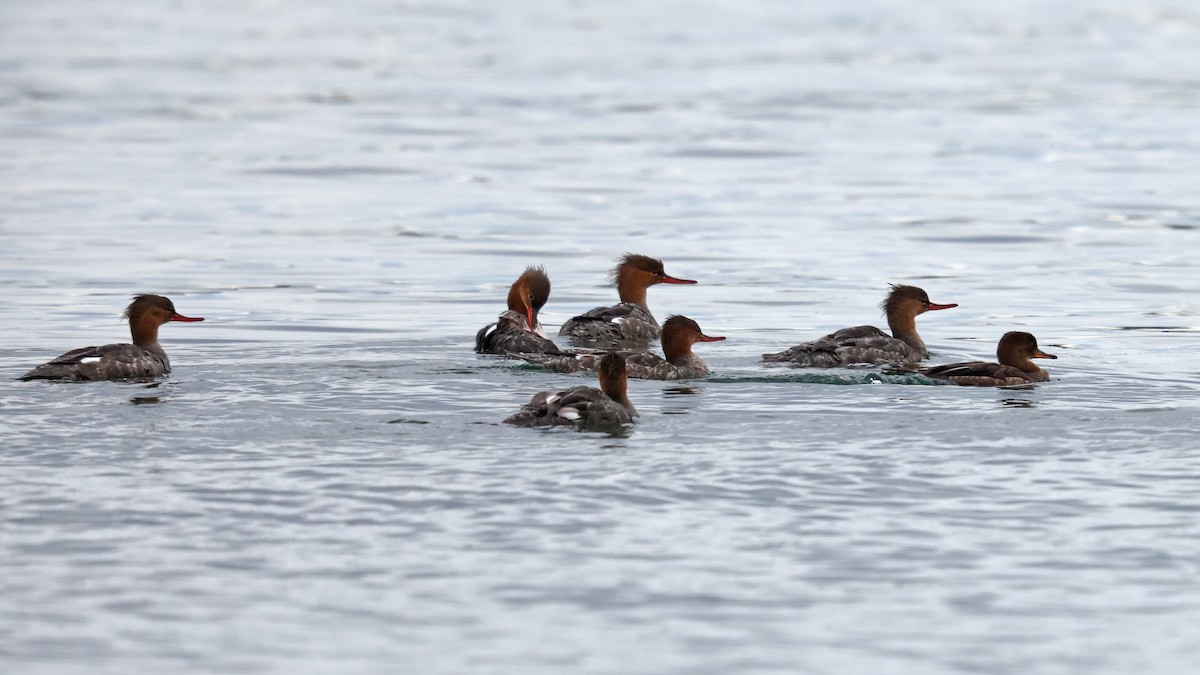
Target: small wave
(332,171)
(829,378)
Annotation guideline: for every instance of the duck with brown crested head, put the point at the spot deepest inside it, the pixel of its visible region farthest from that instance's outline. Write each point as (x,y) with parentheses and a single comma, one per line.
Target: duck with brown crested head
(144,358)
(517,330)
(679,333)
(868,344)
(630,320)
(1015,354)
(584,407)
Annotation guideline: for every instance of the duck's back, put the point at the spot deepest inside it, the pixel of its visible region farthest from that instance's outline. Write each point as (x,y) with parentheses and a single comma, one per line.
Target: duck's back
(106,362)
(643,365)
(860,344)
(501,339)
(624,321)
(586,407)
(981,374)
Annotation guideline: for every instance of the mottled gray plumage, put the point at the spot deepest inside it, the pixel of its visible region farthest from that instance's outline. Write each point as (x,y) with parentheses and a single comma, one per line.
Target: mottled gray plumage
(861,344)
(511,335)
(583,407)
(626,321)
(681,363)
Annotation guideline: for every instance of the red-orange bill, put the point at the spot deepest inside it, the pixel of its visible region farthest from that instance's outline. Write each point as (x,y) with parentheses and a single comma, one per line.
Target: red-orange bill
(668,279)
(708,338)
(180,317)
(1039,354)
(933,306)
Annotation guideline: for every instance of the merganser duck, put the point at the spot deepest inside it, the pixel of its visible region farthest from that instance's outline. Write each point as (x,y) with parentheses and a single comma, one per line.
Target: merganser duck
(585,407)
(144,358)
(631,319)
(868,344)
(679,333)
(1015,353)
(512,333)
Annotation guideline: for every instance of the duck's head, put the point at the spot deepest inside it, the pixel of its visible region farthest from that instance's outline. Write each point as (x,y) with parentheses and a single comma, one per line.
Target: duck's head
(614,379)
(147,312)
(909,301)
(635,273)
(1018,348)
(154,308)
(529,294)
(679,333)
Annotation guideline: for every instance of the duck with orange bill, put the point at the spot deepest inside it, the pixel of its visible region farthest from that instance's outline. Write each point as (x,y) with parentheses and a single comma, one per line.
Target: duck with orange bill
(1015,354)
(868,344)
(584,407)
(630,320)
(679,333)
(517,330)
(144,358)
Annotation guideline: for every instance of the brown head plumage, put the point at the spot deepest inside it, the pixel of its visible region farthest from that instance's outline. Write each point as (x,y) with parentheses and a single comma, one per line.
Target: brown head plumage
(614,380)
(141,304)
(634,261)
(903,294)
(635,273)
(147,312)
(1018,347)
(679,333)
(539,286)
(613,376)
(529,293)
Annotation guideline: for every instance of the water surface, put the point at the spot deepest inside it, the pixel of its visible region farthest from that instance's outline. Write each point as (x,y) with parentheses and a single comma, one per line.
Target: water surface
(346,193)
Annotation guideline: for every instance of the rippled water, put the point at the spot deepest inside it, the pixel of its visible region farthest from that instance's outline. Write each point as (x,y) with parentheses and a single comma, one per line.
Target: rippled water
(345,192)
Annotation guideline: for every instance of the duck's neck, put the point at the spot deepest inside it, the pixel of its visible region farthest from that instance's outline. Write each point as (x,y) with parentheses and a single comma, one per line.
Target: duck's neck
(632,285)
(677,349)
(904,327)
(622,398)
(516,302)
(145,333)
(617,388)
(1026,365)
(625,403)
(516,299)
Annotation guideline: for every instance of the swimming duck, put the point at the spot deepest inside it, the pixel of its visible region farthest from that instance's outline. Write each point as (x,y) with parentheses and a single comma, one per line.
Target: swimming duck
(868,344)
(585,407)
(144,358)
(517,329)
(631,319)
(1015,354)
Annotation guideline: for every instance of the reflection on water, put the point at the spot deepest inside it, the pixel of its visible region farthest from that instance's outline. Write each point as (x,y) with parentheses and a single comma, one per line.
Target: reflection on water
(1016,403)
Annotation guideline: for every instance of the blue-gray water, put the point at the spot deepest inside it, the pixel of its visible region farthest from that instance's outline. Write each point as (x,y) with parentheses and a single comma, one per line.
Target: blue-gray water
(346,191)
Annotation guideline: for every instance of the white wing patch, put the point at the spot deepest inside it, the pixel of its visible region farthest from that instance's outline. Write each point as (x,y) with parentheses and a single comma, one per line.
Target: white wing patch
(551,398)
(569,413)
(89,359)
(620,320)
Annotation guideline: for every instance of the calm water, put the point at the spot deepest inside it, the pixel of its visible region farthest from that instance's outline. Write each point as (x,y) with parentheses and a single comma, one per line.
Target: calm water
(346,192)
